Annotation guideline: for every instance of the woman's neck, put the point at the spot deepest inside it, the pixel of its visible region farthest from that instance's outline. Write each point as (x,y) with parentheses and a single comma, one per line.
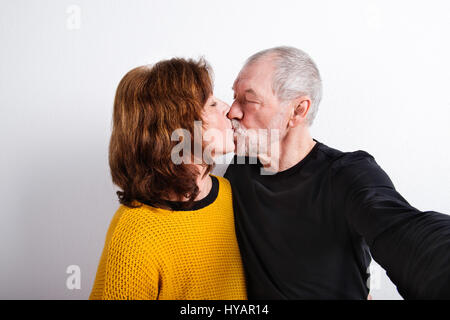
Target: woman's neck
(204,183)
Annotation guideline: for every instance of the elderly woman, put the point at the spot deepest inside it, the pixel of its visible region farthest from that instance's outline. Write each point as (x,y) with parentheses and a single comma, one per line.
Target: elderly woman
(173,234)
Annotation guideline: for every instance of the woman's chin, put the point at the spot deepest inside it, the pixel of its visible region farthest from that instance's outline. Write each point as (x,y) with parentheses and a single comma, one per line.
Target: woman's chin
(223,151)
(231,146)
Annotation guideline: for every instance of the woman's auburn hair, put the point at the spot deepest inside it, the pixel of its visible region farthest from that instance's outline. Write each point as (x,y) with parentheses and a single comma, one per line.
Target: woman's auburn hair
(150,103)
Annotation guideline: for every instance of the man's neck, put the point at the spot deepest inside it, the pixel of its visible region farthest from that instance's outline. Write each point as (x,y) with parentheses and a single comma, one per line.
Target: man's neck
(294,147)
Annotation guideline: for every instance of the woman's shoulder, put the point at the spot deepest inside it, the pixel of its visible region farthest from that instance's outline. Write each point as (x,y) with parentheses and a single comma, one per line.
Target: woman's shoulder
(137,225)
(223,182)
(224,193)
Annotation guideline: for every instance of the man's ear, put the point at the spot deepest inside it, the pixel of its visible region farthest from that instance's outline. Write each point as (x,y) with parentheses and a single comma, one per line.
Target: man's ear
(300,110)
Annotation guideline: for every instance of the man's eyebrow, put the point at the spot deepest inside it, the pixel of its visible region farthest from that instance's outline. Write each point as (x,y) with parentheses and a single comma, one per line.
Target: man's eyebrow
(251,91)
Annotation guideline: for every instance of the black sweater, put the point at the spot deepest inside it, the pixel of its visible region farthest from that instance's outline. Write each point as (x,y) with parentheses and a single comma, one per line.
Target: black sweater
(308,232)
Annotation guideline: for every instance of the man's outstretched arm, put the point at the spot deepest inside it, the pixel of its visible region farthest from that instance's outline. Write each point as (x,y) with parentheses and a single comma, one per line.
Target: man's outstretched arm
(412,246)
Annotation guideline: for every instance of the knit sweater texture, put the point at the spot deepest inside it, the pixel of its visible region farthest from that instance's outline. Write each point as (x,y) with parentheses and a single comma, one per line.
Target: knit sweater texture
(156,254)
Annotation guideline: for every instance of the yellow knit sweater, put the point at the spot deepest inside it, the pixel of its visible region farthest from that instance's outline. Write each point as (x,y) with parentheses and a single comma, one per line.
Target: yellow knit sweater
(152,253)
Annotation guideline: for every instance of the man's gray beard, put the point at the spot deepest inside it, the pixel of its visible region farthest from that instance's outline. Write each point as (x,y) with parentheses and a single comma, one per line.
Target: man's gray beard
(246,140)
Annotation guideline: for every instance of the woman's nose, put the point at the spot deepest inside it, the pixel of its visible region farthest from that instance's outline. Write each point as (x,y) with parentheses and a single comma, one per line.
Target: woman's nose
(227,108)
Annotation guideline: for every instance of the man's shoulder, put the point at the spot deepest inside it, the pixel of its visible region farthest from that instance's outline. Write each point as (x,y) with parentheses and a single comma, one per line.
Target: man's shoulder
(358,168)
(343,158)
(353,160)
(238,164)
(350,166)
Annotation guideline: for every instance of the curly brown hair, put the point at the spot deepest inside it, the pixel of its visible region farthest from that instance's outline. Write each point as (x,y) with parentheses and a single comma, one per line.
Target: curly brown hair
(150,103)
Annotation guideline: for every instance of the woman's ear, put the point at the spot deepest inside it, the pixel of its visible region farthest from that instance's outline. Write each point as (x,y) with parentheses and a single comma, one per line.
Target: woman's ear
(300,111)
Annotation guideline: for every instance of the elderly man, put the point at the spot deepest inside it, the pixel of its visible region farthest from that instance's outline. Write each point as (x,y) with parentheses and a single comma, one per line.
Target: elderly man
(307,228)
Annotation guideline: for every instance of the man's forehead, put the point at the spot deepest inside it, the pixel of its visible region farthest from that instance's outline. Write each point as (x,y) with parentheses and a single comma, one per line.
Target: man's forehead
(258,74)
(252,85)
(241,83)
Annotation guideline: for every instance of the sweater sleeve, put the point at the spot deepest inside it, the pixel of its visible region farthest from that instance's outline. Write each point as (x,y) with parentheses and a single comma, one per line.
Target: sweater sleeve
(127,270)
(412,246)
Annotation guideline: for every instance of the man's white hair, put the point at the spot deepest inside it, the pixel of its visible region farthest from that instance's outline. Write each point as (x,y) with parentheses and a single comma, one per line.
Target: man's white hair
(295,75)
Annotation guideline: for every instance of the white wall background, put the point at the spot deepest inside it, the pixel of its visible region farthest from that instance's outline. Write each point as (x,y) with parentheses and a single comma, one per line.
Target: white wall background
(386,72)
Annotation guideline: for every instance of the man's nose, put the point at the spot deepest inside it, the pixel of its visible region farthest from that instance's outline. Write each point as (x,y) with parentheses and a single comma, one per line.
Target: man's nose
(235,111)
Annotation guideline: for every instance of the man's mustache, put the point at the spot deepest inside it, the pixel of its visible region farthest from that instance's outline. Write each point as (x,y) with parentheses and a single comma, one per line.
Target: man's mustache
(237,127)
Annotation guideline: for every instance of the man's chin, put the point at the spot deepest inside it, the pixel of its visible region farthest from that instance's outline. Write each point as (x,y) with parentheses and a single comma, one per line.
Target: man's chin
(240,153)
